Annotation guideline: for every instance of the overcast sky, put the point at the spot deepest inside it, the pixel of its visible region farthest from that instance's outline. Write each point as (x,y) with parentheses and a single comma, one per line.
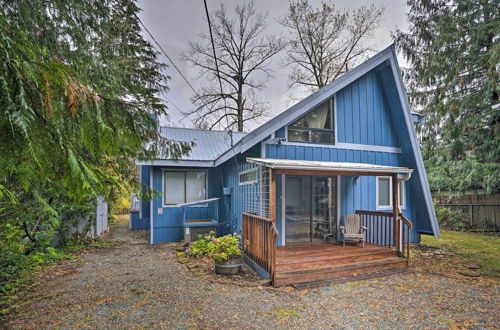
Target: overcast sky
(175,22)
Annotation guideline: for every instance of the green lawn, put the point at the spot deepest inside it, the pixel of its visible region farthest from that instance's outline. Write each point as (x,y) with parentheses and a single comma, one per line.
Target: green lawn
(481,249)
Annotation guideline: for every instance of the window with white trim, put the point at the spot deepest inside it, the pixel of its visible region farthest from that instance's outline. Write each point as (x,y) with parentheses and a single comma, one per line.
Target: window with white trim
(184,186)
(248,176)
(384,193)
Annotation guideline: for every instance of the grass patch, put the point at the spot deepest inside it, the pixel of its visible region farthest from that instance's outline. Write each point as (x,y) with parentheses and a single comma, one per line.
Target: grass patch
(284,313)
(102,244)
(137,291)
(467,247)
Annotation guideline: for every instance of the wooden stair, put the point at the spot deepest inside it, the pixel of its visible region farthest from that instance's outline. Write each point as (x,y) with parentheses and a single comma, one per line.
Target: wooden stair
(324,262)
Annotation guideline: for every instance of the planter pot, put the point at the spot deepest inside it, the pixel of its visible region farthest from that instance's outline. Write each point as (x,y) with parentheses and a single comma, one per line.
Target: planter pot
(229,267)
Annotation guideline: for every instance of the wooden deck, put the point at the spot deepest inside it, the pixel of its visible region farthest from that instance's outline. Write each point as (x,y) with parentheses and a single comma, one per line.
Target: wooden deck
(309,263)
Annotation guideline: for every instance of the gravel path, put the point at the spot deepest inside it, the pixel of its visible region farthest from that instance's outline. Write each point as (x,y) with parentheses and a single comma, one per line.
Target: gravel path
(136,285)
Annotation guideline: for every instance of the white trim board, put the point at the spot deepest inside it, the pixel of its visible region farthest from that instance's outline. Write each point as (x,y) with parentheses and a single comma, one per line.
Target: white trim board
(151,202)
(346,146)
(283,209)
(179,163)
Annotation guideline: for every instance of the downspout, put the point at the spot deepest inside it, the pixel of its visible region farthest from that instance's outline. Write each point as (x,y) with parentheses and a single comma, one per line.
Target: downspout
(406,178)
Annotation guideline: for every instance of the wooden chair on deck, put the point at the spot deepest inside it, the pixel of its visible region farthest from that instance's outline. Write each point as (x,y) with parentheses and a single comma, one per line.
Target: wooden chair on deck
(352,228)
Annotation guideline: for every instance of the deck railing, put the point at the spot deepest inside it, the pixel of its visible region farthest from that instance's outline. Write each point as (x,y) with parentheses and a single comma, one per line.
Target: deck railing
(259,236)
(384,231)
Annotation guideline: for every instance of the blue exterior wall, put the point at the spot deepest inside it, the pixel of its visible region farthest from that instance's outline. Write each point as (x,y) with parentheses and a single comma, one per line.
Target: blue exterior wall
(168,227)
(367,115)
(368,112)
(232,206)
(420,216)
(363,114)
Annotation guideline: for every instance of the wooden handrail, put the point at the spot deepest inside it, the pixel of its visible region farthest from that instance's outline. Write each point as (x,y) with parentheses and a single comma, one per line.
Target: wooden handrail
(259,236)
(405,220)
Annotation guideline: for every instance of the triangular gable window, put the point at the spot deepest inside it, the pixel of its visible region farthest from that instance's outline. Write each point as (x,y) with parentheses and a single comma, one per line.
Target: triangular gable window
(316,126)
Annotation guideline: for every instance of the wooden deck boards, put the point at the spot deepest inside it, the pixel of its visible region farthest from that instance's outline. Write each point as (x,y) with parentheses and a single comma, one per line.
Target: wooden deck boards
(298,264)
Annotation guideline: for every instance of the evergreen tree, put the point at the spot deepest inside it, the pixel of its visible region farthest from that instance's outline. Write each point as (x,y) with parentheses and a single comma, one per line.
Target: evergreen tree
(79,88)
(453,48)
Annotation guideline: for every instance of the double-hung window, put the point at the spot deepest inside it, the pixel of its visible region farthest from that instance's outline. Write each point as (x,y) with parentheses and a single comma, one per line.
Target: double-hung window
(384,193)
(184,186)
(316,126)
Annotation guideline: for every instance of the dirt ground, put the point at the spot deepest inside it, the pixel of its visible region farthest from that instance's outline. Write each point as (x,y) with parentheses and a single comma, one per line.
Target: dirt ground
(137,285)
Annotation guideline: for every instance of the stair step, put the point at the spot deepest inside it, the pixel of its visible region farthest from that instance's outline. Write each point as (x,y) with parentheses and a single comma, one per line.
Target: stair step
(351,269)
(322,261)
(347,279)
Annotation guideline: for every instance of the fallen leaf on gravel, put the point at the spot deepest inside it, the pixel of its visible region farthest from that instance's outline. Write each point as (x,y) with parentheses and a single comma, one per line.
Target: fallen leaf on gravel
(103,301)
(141,303)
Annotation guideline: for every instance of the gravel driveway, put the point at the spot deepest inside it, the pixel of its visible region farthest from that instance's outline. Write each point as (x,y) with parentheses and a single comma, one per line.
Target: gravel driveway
(136,285)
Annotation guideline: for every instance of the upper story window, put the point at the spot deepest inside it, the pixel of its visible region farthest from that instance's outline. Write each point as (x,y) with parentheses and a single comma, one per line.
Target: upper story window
(316,126)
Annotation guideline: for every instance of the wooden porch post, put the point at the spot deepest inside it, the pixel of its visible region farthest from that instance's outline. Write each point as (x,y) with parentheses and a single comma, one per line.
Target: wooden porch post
(395,209)
(272,195)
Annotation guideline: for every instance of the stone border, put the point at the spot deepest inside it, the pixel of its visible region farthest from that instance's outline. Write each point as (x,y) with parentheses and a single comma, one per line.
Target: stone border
(180,252)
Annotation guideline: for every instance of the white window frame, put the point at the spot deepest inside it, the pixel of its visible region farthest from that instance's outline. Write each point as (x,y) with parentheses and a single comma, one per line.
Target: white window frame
(180,170)
(402,188)
(254,169)
(402,200)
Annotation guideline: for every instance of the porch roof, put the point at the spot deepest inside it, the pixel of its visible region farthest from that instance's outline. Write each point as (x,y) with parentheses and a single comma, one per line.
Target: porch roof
(288,164)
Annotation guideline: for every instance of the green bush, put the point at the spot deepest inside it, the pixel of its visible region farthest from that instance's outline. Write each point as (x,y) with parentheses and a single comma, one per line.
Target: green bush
(217,248)
(225,247)
(451,219)
(202,246)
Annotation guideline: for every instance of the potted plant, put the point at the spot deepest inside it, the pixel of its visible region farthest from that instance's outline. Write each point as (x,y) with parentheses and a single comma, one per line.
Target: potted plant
(227,254)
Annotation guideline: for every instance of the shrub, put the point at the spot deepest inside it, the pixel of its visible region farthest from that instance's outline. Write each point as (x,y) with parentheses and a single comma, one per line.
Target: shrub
(202,246)
(219,249)
(451,219)
(225,247)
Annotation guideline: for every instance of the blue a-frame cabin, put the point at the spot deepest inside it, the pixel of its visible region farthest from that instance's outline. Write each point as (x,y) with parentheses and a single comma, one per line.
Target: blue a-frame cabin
(349,148)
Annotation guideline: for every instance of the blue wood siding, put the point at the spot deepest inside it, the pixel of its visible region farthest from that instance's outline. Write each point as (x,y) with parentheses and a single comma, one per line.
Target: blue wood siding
(420,215)
(168,227)
(232,206)
(363,113)
(368,112)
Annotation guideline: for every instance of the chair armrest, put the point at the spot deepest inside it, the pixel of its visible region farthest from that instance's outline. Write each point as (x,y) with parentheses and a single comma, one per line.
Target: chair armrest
(342,228)
(364,228)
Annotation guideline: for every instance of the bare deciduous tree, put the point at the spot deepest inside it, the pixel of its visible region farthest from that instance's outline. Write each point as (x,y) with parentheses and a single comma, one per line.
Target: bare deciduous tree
(243,54)
(325,42)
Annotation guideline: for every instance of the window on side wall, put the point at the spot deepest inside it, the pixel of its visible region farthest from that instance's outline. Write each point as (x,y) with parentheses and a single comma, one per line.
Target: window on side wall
(384,193)
(184,187)
(316,126)
(248,177)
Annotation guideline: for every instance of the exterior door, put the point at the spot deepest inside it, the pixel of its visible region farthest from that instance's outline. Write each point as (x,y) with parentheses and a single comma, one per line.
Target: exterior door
(310,208)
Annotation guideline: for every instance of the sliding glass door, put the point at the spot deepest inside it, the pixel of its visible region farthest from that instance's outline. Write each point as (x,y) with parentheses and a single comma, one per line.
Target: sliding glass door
(310,208)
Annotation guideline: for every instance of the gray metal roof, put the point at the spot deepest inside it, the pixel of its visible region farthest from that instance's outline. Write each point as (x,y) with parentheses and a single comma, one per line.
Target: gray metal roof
(208,145)
(327,166)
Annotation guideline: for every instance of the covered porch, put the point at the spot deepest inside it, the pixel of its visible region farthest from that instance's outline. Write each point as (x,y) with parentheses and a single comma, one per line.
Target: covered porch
(317,255)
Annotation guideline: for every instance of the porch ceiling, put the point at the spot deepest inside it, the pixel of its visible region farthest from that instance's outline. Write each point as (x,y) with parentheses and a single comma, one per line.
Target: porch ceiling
(341,168)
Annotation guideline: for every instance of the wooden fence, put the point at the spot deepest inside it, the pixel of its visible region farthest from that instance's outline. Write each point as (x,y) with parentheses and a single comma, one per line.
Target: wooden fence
(481,210)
